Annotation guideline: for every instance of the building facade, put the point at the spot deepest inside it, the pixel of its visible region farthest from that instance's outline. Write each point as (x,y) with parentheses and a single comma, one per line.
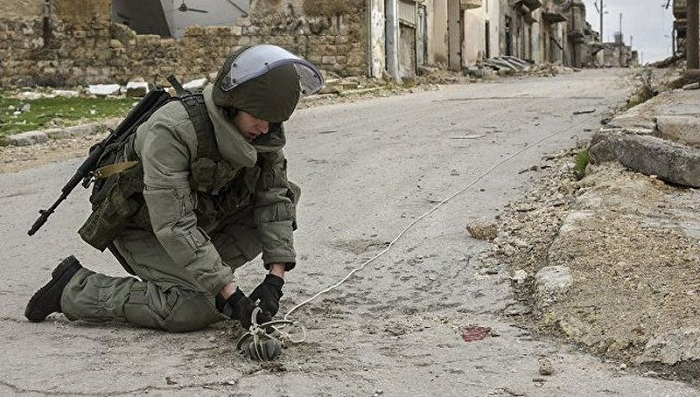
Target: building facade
(65,42)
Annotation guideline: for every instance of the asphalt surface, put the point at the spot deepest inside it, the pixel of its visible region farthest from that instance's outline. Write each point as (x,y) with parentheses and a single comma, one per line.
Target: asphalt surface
(389,185)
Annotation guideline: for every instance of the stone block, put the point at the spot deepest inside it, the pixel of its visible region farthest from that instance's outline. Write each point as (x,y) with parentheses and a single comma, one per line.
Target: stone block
(26,138)
(194,84)
(194,31)
(551,283)
(147,40)
(136,88)
(104,89)
(682,129)
(669,161)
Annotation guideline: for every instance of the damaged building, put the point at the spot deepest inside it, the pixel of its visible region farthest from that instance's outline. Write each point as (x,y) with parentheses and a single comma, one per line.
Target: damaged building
(73,42)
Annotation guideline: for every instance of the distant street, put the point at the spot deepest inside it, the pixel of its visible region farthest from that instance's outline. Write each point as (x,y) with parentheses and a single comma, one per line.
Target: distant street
(373,172)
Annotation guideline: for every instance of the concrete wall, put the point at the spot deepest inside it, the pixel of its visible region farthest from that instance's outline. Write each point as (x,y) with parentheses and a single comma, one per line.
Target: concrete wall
(431,21)
(474,44)
(576,35)
(439,36)
(85,48)
(505,41)
(552,20)
(492,14)
(536,54)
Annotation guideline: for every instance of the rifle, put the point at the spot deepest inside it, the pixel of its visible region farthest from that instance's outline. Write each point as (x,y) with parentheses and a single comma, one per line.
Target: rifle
(154,99)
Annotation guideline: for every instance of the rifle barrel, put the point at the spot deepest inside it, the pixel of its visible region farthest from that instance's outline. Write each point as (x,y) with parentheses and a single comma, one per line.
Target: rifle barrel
(45,214)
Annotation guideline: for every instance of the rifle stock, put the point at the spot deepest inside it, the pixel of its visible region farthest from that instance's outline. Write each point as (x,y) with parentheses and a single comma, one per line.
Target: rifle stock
(154,99)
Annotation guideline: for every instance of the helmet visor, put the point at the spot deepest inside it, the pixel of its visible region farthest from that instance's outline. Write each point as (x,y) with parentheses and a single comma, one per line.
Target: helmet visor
(258,60)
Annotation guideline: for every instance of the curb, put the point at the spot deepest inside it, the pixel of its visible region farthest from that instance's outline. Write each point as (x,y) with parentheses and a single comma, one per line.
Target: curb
(29,138)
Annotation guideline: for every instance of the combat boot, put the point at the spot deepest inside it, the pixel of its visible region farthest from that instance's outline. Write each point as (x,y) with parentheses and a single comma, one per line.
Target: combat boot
(48,299)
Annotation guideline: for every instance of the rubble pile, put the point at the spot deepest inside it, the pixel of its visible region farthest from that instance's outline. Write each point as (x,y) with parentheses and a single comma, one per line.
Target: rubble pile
(608,263)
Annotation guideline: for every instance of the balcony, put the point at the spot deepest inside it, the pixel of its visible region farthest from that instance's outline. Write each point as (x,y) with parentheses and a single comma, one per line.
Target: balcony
(553,15)
(470,4)
(531,4)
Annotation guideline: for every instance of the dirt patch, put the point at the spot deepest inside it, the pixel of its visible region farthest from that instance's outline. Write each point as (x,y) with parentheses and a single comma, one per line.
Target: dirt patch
(630,242)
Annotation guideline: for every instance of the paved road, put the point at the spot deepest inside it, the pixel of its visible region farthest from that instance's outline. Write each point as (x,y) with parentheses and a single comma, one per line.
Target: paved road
(410,171)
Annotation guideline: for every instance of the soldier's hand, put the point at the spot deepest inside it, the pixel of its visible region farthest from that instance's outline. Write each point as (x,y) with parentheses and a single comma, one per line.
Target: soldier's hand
(268,294)
(240,307)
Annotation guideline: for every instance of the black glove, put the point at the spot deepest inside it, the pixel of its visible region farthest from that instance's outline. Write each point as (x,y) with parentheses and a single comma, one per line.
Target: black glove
(269,293)
(240,307)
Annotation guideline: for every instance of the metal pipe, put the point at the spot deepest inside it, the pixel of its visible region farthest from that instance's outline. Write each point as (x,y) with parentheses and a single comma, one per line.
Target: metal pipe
(602,38)
(692,35)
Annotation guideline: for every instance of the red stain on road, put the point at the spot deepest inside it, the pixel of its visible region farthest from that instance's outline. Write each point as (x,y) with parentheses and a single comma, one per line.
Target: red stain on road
(474,332)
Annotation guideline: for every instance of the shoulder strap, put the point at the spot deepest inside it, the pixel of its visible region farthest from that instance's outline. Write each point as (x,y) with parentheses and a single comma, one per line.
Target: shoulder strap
(206,140)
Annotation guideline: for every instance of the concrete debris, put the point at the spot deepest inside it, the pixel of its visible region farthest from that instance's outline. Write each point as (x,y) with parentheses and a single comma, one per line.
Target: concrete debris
(546,367)
(674,348)
(507,62)
(32,95)
(424,70)
(483,230)
(136,89)
(197,84)
(104,89)
(650,155)
(519,276)
(66,93)
(679,128)
(429,77)
(336,86)
(551,283)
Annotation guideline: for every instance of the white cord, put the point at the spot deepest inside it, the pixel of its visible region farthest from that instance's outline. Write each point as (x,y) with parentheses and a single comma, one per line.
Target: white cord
(440,204)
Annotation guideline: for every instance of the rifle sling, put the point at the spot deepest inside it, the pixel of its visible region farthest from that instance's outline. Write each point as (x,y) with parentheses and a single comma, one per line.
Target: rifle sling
(109,170)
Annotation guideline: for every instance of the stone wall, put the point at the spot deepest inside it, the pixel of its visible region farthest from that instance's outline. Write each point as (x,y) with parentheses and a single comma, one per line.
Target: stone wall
(19,8)
(87,48)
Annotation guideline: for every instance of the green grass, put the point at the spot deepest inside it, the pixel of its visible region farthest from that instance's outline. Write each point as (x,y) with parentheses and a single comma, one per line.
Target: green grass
(55,112)
(642,95)
(580,164)
(644,82)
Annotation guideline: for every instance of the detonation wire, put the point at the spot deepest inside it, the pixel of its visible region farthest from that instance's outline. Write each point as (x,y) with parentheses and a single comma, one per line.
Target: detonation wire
(414,222)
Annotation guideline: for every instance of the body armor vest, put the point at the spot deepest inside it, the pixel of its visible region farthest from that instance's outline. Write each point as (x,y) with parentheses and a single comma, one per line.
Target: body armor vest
(117,200)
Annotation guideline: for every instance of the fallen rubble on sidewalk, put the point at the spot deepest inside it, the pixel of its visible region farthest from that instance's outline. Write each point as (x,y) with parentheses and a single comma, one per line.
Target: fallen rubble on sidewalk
(610,261)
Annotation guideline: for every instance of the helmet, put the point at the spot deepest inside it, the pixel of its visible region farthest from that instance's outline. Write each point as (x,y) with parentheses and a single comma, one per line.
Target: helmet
(265,81)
